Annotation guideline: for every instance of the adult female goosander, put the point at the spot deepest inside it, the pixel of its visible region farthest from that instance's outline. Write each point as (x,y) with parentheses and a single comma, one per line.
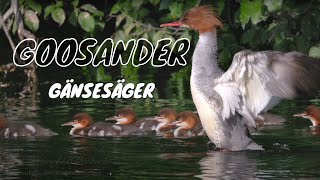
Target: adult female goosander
(312,113)
(254,83)
(188,124)
(22,128)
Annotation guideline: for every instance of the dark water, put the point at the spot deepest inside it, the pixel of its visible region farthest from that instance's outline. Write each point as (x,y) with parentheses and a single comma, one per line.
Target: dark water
(292,150)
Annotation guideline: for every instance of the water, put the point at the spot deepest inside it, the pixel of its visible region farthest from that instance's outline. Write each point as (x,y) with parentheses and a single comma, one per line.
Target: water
(292,150)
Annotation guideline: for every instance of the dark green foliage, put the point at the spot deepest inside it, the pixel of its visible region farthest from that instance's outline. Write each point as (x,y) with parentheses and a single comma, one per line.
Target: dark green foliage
(282,25)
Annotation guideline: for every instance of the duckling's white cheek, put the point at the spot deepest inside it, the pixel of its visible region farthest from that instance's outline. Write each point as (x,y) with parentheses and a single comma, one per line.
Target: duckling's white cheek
(76,126)
(182,124)
(121,120)
(164,120)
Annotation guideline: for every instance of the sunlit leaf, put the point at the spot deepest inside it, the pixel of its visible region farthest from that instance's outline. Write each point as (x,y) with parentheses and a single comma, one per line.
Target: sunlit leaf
(128,26)
(176,10)
(35,6)
(89,8)
(48,10)
(73,18)
(164,4)
(14,26)
(137,3)
(86,21)
(119,19)
(58,16)
(154,2)
(115,9)
(273,5)
(250,10)
(221,5)
(59,4)
(157,36)
(315,51)
(31,20)
(75,3)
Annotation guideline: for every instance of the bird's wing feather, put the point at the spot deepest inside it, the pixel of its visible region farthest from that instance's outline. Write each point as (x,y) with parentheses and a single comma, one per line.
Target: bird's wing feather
(257,81)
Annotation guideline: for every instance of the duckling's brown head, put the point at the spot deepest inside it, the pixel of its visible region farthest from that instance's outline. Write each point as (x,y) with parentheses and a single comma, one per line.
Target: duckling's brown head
(3,121)
(187,120)
(312,113)
(80,120)
(124,116)
(166,115)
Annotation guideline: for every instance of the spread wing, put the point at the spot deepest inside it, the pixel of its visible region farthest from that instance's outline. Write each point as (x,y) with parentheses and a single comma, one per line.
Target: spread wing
(257,81)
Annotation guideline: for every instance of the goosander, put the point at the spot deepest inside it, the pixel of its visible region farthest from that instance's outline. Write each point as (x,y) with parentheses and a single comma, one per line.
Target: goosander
(83,125)
(188,124)
(128,122)
(22,128)
(229,102)
(165,118)
(312,113)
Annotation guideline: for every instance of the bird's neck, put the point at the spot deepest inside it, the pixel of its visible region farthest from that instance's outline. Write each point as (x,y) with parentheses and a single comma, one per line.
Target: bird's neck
(204,62)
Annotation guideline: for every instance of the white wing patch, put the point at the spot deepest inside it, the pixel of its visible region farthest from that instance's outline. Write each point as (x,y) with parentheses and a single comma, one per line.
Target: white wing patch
(142,125)
(30,128)
(243,87)
(101,133)
(7,132)
(230,95)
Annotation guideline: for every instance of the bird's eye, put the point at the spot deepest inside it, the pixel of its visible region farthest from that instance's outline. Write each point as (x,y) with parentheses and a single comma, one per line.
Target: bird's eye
(120,115)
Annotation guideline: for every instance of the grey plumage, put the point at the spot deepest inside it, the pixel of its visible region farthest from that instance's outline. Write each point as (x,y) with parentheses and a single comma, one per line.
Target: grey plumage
(24,128)
(230,102)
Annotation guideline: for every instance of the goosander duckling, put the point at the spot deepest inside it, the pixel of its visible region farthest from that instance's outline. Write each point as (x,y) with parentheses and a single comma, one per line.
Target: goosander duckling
(22,128)
(229,102)
(188,124)
(312,113)
(83,125)
(165,118)
(128,123)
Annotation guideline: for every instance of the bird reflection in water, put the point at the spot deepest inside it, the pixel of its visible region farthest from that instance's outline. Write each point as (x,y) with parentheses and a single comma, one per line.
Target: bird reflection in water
(227,165)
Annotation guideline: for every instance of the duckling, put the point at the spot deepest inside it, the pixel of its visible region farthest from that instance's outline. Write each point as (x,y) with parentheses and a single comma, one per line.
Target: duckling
(312,113)
(188,124)
(128,122)
(22,128)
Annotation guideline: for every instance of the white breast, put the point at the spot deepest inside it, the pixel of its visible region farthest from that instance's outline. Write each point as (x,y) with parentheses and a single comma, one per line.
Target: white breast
(207,116)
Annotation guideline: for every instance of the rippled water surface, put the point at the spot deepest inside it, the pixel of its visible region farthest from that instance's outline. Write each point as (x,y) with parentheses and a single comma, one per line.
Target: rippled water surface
(292,149)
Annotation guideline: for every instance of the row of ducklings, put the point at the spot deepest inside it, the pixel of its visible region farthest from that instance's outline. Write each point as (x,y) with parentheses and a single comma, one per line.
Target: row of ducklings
(167,123)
